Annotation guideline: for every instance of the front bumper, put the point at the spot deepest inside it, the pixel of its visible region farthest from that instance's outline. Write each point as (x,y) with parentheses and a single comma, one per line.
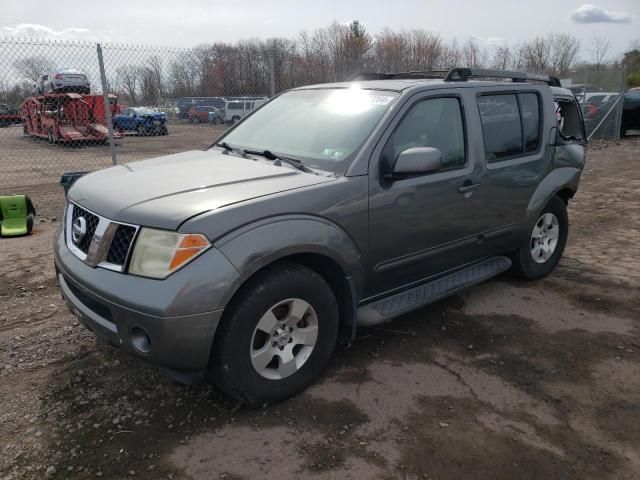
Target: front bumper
(179,314)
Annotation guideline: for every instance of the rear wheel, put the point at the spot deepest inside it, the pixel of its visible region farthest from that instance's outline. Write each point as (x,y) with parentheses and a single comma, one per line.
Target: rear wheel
(277,336)
(543,246)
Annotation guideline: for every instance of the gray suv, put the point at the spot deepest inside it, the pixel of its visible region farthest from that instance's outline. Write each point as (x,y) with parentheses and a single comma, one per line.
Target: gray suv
(330,207)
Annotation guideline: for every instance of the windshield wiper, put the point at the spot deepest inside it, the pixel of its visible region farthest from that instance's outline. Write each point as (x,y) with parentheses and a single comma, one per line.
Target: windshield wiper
(269,155)
(229,148)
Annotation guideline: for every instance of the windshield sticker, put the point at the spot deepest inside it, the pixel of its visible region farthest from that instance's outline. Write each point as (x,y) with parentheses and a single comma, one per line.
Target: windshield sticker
(380,99)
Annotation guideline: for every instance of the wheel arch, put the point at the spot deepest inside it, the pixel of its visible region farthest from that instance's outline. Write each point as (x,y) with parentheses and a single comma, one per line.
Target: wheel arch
(561,182)
(313,242)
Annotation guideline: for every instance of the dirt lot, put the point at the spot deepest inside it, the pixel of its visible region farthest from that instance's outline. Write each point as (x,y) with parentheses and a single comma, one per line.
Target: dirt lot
(26,162)
(507,380)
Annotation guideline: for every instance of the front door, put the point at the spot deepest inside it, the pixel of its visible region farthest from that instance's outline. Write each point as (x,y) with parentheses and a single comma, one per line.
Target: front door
(424,225)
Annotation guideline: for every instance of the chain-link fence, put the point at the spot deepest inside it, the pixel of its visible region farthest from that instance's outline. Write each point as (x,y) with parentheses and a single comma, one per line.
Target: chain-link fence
(600,92)
(56,117)
(74,106)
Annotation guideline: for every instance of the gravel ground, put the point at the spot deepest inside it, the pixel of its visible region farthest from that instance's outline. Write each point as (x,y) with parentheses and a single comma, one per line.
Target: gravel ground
(507,380)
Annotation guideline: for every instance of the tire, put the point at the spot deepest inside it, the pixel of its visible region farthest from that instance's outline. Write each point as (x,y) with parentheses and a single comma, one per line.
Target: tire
(235,120)
(25,130)
(142,131)
(49,137)
(266,302)
(538,255)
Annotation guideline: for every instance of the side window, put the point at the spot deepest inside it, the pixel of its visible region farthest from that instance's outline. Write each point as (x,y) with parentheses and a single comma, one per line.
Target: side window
(530,112)
(510,124)
(500,126)
(436,123)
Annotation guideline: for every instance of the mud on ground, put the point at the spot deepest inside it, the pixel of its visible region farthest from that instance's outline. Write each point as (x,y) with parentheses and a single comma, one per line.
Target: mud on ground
(508,380)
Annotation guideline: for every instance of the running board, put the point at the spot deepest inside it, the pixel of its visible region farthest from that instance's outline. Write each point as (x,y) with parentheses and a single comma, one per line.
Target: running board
(385,309)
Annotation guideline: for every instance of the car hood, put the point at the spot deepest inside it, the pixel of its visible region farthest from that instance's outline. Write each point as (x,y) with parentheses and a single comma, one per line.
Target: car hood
(164,192)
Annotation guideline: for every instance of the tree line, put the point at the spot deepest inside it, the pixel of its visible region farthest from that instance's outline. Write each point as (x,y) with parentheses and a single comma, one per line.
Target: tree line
(327,54)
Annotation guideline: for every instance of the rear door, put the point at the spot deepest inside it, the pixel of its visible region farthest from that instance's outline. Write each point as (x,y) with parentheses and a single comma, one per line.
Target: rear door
(424,225)
(516,159)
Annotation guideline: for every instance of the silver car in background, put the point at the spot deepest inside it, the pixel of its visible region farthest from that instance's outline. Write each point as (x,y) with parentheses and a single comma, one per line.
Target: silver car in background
(64,80)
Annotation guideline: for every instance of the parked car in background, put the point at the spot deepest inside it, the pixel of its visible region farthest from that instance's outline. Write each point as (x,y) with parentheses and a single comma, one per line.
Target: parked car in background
(593,102)
(235,110)
(201,114)
(630,112)
(9,115)
(331,207)
(64,80)
(216,116)
(184,104)
(142,120)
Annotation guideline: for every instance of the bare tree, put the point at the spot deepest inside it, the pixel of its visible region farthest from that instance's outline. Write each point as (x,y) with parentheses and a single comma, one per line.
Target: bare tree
(33,68)
(472,55)
(536,55)
(127,78)
(502,57)
(564,50)
(599,50)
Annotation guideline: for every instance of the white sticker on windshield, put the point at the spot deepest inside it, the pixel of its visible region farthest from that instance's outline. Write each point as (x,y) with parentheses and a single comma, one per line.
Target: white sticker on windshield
(380,99)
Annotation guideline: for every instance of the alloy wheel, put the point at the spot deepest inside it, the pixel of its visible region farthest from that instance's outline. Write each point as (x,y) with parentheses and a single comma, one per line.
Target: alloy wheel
(284,339)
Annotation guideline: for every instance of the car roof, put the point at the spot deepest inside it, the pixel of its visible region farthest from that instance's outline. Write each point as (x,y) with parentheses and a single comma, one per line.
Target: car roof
(400,85)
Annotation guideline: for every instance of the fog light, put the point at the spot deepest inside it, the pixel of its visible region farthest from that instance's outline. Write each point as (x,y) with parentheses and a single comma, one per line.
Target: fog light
(140,340)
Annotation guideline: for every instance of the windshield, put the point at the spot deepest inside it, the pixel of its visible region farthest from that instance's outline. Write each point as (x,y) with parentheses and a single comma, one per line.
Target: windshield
(322,127)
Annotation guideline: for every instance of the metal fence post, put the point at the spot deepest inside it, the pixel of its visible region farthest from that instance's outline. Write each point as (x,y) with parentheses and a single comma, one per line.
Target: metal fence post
(107,105)
(272,74)
(621,102)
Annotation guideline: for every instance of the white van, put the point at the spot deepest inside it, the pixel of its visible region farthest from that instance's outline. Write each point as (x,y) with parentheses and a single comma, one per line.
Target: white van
(238,108)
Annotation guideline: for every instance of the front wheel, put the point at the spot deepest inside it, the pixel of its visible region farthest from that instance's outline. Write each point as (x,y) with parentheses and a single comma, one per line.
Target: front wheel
(542,248)
(276,337)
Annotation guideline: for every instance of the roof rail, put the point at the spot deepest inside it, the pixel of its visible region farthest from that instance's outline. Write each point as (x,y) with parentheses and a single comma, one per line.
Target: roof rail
(426,74)
(459,75)
(464,74)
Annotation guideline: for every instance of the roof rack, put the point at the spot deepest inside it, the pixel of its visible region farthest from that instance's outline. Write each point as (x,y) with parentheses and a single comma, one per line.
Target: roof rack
(426,74)
(464,74)
(459,75)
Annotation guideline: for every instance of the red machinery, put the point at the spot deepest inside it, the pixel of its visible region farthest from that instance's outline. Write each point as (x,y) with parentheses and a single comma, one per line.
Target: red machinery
(66,117)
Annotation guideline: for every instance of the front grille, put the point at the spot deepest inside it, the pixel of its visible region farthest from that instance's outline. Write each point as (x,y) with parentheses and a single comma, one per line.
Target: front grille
(105,243)
(121,244)
(92,223)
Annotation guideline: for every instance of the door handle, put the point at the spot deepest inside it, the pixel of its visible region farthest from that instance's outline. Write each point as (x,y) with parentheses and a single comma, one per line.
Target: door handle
(468,187)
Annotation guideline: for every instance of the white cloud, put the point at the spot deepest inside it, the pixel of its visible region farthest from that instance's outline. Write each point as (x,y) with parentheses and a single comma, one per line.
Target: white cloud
(34,30)
(592,14)
(496,42)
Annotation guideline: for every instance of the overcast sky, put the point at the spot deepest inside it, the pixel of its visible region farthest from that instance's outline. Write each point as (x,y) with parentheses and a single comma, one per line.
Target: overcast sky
(187,23)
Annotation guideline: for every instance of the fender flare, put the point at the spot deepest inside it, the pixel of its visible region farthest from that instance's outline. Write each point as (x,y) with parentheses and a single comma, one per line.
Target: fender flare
(256,245)
(558,179)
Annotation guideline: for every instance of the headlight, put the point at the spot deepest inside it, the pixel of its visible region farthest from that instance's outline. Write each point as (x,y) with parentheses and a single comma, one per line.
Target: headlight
(159,253)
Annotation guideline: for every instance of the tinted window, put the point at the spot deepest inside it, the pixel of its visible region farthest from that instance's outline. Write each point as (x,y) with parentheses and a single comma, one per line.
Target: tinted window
(500,126)
(433,123)
(530,113)
(234,105)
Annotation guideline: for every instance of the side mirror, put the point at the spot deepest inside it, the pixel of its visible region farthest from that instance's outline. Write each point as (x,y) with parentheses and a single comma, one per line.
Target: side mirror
(417,161)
